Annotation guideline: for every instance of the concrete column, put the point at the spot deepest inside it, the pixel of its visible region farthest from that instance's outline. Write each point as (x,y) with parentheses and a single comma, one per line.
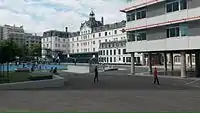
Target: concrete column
(183,65)
(172,61)
(132,63)
(165,61)
(150,63)
(190,61)
(197,64)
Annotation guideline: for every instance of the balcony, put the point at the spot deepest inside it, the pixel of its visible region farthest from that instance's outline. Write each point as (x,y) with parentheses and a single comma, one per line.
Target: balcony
(169,44)
(165,19)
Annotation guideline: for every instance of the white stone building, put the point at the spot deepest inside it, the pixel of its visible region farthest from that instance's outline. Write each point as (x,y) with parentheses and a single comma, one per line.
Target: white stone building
(87,43)
(55,42)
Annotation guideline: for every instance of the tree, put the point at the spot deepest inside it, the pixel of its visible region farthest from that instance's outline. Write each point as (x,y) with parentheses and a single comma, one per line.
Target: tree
(36,50)
(8,51)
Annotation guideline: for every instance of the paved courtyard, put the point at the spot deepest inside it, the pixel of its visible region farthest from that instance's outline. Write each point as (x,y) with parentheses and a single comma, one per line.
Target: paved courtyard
(116,91)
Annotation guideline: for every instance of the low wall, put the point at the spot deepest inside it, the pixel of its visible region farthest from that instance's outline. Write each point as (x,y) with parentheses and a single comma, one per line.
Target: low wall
(57,81)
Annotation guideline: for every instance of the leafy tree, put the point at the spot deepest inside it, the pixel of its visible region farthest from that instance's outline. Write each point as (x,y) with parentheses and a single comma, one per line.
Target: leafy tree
(36,50)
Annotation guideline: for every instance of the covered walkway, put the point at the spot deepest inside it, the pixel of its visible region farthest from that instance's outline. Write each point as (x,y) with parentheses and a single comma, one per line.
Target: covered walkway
(169,70)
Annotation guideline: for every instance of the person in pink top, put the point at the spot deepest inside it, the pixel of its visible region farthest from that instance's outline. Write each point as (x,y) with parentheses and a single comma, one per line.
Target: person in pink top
(156,76)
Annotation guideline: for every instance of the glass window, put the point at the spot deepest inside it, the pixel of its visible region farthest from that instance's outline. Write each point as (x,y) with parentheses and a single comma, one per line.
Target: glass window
(169,8)
(124,51)
(114,52)
(141,36)
(106,33)
(175,6)
(114,59)
(107,52)
(124,59)
(183,4)
(138,15)
(128,16)
(132,16)
(115,31)
(110,52)
(119,51)
(184,29)
(143,14)
(173,32)
(99,34)
(110,59)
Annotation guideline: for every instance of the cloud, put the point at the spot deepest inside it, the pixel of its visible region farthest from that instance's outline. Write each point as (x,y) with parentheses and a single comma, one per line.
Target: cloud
(38,16)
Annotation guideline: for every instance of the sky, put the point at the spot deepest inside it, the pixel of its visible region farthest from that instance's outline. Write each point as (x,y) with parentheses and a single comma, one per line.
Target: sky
(38,16)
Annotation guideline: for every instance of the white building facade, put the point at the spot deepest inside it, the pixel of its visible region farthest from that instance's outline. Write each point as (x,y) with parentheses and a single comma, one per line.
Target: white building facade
(165,26)
(94,33)
(54,41)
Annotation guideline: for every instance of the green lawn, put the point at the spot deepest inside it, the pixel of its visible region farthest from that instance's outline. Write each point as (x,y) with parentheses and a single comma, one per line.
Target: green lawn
(19,76)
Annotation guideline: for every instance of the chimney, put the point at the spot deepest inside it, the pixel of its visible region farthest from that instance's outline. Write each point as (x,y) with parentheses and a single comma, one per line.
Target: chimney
(66,29)
(102,20)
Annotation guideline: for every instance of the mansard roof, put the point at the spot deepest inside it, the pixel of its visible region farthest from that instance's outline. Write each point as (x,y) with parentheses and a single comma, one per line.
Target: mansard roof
(109,26)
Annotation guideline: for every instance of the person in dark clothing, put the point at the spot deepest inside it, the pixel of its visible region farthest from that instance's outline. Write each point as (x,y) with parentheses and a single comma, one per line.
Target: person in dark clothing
(55,71)
(96,78)
(51,70)
(156,76)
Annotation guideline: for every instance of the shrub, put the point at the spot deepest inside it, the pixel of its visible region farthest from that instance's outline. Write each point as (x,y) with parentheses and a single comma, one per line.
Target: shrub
(42,77)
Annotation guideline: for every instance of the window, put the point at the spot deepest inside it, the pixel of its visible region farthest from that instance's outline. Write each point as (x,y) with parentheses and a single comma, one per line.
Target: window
(130,16)
(93,35)
(184,29)
(124,59)
(124,51)
(106,40)
(93,42)
(139,36)
(183,4)
(119,51)
(176,5)
(107,59)
(173,32)
(93,49)
(172,6)
(109,33)
(114,59)
(107,52)
(103,52)
(110,52)
(177,59)
(119,58)
(115,31)
(114,52)
(106,33)
(128,59)
(99,41)
(141,14)
(63,40)
(99,34)
(110,59)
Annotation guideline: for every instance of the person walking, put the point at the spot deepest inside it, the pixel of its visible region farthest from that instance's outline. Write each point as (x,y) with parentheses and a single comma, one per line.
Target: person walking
(156,76)
(96,78)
